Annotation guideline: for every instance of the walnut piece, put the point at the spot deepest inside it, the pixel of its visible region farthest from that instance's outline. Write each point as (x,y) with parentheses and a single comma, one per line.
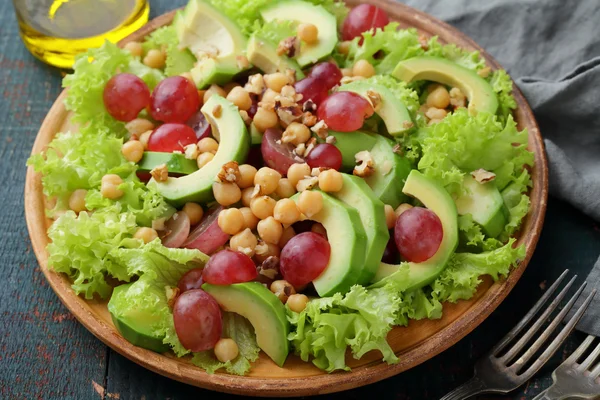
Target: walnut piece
(398,149)
(309,119)
(256,84)
(310,145)
(270,267)
(191,151)
(300,149)
(321,129)
(172,293)
(330,139)
(288,114)
(288,46)
(482,176)
(230,172)
(160,173)
(307,183)
(242,62)
(364,164)
(309,106)
(374,98)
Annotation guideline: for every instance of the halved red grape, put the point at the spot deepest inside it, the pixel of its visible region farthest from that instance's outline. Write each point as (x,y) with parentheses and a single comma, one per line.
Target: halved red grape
(325,155)
(304,258)
(418,234)
(328,73)
(176,231)
(207,236)
(254,107)
(125,95)
(168,138)
(390,253)
(227,267)
(200,125)
(361,19)
(303,226)
(344,111)
(276,154)
(174,99)
(191,280)
(255,157)
(313,89)
(197,319)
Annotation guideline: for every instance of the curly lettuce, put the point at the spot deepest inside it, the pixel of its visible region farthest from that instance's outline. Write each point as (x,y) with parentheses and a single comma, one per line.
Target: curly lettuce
(177,60)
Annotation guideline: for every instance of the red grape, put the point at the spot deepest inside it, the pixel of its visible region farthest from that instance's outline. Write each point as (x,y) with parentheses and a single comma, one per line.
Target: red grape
(174,99)
(176,231)
(207,236)
(168,138)
(344,111)
(328,73)
(200,125)
(254,107)
(197,319)
(304,258)
(418,234)
(191,280)
(276,154)
(363,18)
(313,89)
(227,267)
(325,155)
(390,253)
(125,95)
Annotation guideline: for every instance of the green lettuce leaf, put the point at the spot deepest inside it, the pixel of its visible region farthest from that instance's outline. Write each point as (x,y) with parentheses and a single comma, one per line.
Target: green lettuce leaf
(503,86)
(275,31)
(468,59)
(178,60)
(149,75)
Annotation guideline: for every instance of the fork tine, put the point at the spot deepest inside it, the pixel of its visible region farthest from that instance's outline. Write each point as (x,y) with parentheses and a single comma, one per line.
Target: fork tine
(517,347)
(560,338)
(529,316)
(589,360)
(595,372)
(580,350)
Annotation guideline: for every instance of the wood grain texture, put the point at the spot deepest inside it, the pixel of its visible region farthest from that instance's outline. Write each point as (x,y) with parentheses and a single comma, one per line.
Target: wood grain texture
(415,344)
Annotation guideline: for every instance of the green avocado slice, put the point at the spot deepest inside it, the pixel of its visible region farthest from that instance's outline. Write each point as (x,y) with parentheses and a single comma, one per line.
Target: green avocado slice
(437,199)
(482,97)
(350,143)
(347,239)
(176,163)
(234,143)
(263,309)
(263,55)
(356,193)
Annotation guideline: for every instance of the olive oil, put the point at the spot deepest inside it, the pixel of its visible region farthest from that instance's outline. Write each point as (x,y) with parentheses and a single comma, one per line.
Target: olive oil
(55,31)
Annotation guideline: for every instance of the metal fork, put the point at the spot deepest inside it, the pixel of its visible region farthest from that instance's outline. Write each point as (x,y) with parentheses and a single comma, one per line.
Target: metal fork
(573,380)
(500,371)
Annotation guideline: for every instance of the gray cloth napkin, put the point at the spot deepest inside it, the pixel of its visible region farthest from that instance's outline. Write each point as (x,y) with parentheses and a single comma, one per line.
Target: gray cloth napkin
(552,50)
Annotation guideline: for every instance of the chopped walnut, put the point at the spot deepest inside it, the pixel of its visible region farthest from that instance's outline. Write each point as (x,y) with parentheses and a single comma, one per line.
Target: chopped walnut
(261,248)
(288,114)
(256,84)
(364,164)
(242,62)
(457,98)
(309,106)
(309,119)
(291,74)
(256,192)
(245,250)
(270,267)
(288,46)
(307,183)
(424,42)
(216,111)
(398,149)
(321,129)
(482,176)
(484,72)
(310,145)
(374,98)
(191,151)
(316,171)
(300,149)
(245,117)
(407,124)
(160,173)
(330,139)
(230,172)
(349,79)
(172,293)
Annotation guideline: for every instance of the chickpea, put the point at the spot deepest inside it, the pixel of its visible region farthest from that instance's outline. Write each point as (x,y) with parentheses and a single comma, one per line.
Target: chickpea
(401,208)
(230,86)
(436,113)
(308,33)
(286,212)
(268,179)
(250,220)
(344,47)
(287,234)
(438,98)
(226,193)
(247,173)
(282,289)
(319,228)
(144,137)
(204,159)
(155,59)
(135,48)
(110,186)
(331,181)
(226,350)
(146,234)
(266,250)
(240,97)
(297,302)
(276,81)
(297,172)
(269,96)
(208,145)
(133,150)
(296,133)
(363,68)
(265,119)
(347,72)
(138,126)
(194,212)
(213,89)
(269,230)
(262,206)
(244,241)
(285,188)
(390,216)
(231,221)
(77,200)
(247,196)
(310,203)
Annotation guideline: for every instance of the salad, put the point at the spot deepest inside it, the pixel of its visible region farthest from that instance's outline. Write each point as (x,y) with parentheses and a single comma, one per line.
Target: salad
(284,176)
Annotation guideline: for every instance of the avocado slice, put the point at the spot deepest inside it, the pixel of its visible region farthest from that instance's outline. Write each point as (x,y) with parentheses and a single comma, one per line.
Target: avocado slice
(176,163)
(306,13)
(390,173)
(348,240)
(479,92)
(436,198)
(485,204)
(214,39)
(263,54)
(350,143)
(392,111)
(229,128)
(356,193)
(263,309)
(255,135)
(134,323)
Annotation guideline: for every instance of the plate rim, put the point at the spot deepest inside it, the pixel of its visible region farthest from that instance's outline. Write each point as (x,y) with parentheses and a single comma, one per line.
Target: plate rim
(323,383)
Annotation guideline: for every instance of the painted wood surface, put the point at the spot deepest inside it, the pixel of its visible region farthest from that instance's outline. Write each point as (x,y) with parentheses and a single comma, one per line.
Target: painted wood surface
(45,353)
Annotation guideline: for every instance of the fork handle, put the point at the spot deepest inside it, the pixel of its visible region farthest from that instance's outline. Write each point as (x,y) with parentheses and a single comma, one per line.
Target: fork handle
(468,389)
(543,396)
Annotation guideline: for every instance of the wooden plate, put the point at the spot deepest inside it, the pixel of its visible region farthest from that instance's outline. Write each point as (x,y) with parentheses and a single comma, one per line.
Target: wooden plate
(413,345)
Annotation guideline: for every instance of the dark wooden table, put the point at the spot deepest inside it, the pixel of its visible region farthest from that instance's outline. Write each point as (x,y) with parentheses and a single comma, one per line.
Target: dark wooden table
(45,353)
